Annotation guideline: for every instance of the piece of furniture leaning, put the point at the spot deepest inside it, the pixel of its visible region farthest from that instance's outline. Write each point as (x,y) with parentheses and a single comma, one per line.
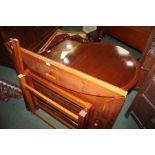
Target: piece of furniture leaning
(143,107)
(147,60)
(81,84)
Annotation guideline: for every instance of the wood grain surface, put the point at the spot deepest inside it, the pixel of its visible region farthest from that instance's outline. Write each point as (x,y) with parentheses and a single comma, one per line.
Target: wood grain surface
(105,61)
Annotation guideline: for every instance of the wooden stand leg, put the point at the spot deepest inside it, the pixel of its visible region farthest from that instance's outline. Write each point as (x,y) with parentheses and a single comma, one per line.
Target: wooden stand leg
(34,98)
(26,93)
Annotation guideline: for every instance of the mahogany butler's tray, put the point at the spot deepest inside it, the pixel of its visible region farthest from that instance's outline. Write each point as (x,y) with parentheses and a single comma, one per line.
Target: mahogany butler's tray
(81,84)
(105,61)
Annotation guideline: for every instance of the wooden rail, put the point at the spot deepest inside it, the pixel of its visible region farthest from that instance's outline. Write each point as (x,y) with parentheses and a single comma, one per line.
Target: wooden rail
(58,90)
(52,103)
(45,120)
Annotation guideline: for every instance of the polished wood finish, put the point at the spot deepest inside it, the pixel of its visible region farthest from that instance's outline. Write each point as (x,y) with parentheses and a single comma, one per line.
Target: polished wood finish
(75,94)
(139,37)
(96,55)
(92,59)
(84,82)
(134,36)
(143,106)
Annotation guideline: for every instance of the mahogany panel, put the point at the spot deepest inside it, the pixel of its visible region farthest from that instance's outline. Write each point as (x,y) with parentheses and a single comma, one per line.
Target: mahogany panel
(135,36)
(71,79)
(105,61)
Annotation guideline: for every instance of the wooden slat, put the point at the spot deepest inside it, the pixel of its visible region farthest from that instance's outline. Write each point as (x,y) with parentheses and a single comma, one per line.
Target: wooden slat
(52,103)
(17,56)
(55,116)
(27,95)
(34,98)
(60,91)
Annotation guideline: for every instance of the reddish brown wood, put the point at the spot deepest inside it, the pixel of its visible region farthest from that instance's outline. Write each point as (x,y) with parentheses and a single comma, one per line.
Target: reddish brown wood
(105,61)
(103,113)
(104,109)
(17,58)
(135,36)
(59,90)
(47,88)
(84,83)
(97,61)
(139,37)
